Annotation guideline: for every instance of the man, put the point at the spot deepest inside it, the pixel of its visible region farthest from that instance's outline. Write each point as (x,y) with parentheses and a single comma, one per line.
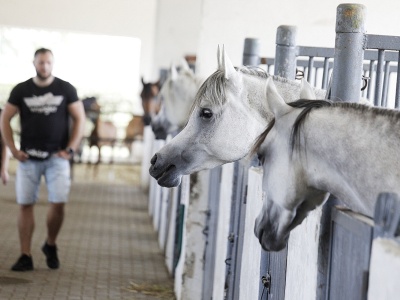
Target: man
(45,104)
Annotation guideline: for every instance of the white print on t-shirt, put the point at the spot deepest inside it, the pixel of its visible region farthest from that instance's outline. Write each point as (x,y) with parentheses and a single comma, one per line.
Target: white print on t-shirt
(37,153)
(45,104)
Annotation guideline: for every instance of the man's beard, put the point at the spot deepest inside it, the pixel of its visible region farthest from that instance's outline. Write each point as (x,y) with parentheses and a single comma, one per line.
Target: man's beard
(42,77)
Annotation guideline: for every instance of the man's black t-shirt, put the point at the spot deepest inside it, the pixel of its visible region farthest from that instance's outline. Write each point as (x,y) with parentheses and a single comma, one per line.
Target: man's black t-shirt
(44,116)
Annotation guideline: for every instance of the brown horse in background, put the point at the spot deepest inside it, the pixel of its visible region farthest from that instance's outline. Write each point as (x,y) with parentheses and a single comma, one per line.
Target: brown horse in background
(151,104)
(103,133)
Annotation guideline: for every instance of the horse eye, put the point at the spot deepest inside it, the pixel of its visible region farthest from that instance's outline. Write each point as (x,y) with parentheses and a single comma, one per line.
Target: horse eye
(260,157)
(206,113)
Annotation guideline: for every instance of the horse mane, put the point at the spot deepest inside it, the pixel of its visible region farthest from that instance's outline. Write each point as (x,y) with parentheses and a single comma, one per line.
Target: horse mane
(262,137)
(309,105)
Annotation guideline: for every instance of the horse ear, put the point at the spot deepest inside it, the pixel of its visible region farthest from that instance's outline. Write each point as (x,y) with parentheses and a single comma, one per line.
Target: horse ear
(275,101)
(142,80)
(227,66)
(306,91)
(219,58)
(173,72)
(184,65)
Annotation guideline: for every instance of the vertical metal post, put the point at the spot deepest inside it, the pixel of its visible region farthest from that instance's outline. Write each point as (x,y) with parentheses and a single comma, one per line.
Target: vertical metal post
(379,76)
(251,52)
(349,52)
(285,53)
(325,75)
(397,99)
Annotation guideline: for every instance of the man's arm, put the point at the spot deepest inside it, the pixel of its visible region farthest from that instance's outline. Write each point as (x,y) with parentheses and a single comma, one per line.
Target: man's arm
(7,114)
(4,163)
(77,114)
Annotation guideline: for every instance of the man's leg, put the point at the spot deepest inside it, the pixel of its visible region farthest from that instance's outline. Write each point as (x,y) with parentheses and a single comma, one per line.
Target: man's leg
(26,225)
(27,189)
(55,217)
(58,182)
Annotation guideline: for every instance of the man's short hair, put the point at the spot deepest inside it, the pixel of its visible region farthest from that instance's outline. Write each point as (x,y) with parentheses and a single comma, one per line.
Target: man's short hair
(42,51)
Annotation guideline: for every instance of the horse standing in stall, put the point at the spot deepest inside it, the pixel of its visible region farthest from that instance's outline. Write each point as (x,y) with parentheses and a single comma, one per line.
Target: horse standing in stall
(321,147)
(134,131)
(177,96)
(229,113)
(150,102)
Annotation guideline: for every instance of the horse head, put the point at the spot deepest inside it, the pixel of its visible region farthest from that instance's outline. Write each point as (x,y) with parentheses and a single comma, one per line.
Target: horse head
(288,198)
(228,114)
(150,104)
(176,96)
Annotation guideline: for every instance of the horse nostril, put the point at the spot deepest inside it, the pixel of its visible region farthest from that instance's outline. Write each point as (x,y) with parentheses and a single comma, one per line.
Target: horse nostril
(153,159)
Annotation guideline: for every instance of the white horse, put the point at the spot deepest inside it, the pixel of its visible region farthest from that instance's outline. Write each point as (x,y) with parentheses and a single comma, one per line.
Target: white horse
(315,147)
(177,95)
(229,113)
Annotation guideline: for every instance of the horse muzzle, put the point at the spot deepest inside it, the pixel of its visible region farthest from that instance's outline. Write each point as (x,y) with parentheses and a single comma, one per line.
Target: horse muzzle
(165,174)
(268,239)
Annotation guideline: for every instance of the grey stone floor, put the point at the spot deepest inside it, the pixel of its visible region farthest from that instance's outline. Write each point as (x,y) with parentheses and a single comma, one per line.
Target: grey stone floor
(107,246)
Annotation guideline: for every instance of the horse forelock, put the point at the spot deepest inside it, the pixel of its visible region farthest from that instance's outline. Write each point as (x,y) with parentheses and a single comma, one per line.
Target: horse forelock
(213,88)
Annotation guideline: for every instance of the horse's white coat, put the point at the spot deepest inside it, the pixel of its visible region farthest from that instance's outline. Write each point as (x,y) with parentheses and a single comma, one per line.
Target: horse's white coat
(229,135)
(350,153)
(177,96)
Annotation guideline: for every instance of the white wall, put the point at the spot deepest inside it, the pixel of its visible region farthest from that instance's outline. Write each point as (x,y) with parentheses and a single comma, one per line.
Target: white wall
(169,29)
(118,17)
(230,22)
(177,30)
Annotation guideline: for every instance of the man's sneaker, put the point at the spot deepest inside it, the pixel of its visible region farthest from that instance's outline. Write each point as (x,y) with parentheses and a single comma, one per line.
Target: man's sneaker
(24,263)
(51,256)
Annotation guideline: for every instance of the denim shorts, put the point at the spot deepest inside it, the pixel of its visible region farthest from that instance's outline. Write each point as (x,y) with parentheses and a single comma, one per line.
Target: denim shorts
(56,171)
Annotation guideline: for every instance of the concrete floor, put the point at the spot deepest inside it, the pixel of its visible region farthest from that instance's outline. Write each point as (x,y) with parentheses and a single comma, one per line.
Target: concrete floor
(107,246)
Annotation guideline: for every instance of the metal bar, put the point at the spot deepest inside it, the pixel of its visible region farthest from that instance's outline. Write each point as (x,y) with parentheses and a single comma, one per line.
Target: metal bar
(397,98)
(371,73)
(378,81)
(251,52)
(386,78)
(386,42)
(316,76)
(315,51)
(285,52)
(349,52)
(373,55)
(310,68)
(325,73)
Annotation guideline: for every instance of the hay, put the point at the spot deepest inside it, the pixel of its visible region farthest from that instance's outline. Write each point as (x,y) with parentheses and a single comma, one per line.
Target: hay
(164,292)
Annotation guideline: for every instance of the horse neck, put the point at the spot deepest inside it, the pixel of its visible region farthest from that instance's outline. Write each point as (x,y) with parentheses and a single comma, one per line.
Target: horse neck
(290,89)
(256,100)
(351,154)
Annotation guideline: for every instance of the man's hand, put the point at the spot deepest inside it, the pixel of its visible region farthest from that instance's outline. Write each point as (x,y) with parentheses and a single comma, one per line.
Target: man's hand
(64,154)
(20,155)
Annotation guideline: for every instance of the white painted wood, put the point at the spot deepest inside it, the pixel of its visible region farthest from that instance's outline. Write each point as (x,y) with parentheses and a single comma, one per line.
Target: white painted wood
(179,271)
(192,277)
(158,190)
(384,275)
(170,242)
(251,255)
(163,226)
(302,260)
(148,139)
(224,214)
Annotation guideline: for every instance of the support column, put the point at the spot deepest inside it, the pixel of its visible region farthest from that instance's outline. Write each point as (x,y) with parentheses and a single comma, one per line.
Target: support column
(285,53)
(349,52)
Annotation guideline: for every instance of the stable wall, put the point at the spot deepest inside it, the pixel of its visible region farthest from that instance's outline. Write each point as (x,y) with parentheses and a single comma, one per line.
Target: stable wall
(230,22)
(177,30)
